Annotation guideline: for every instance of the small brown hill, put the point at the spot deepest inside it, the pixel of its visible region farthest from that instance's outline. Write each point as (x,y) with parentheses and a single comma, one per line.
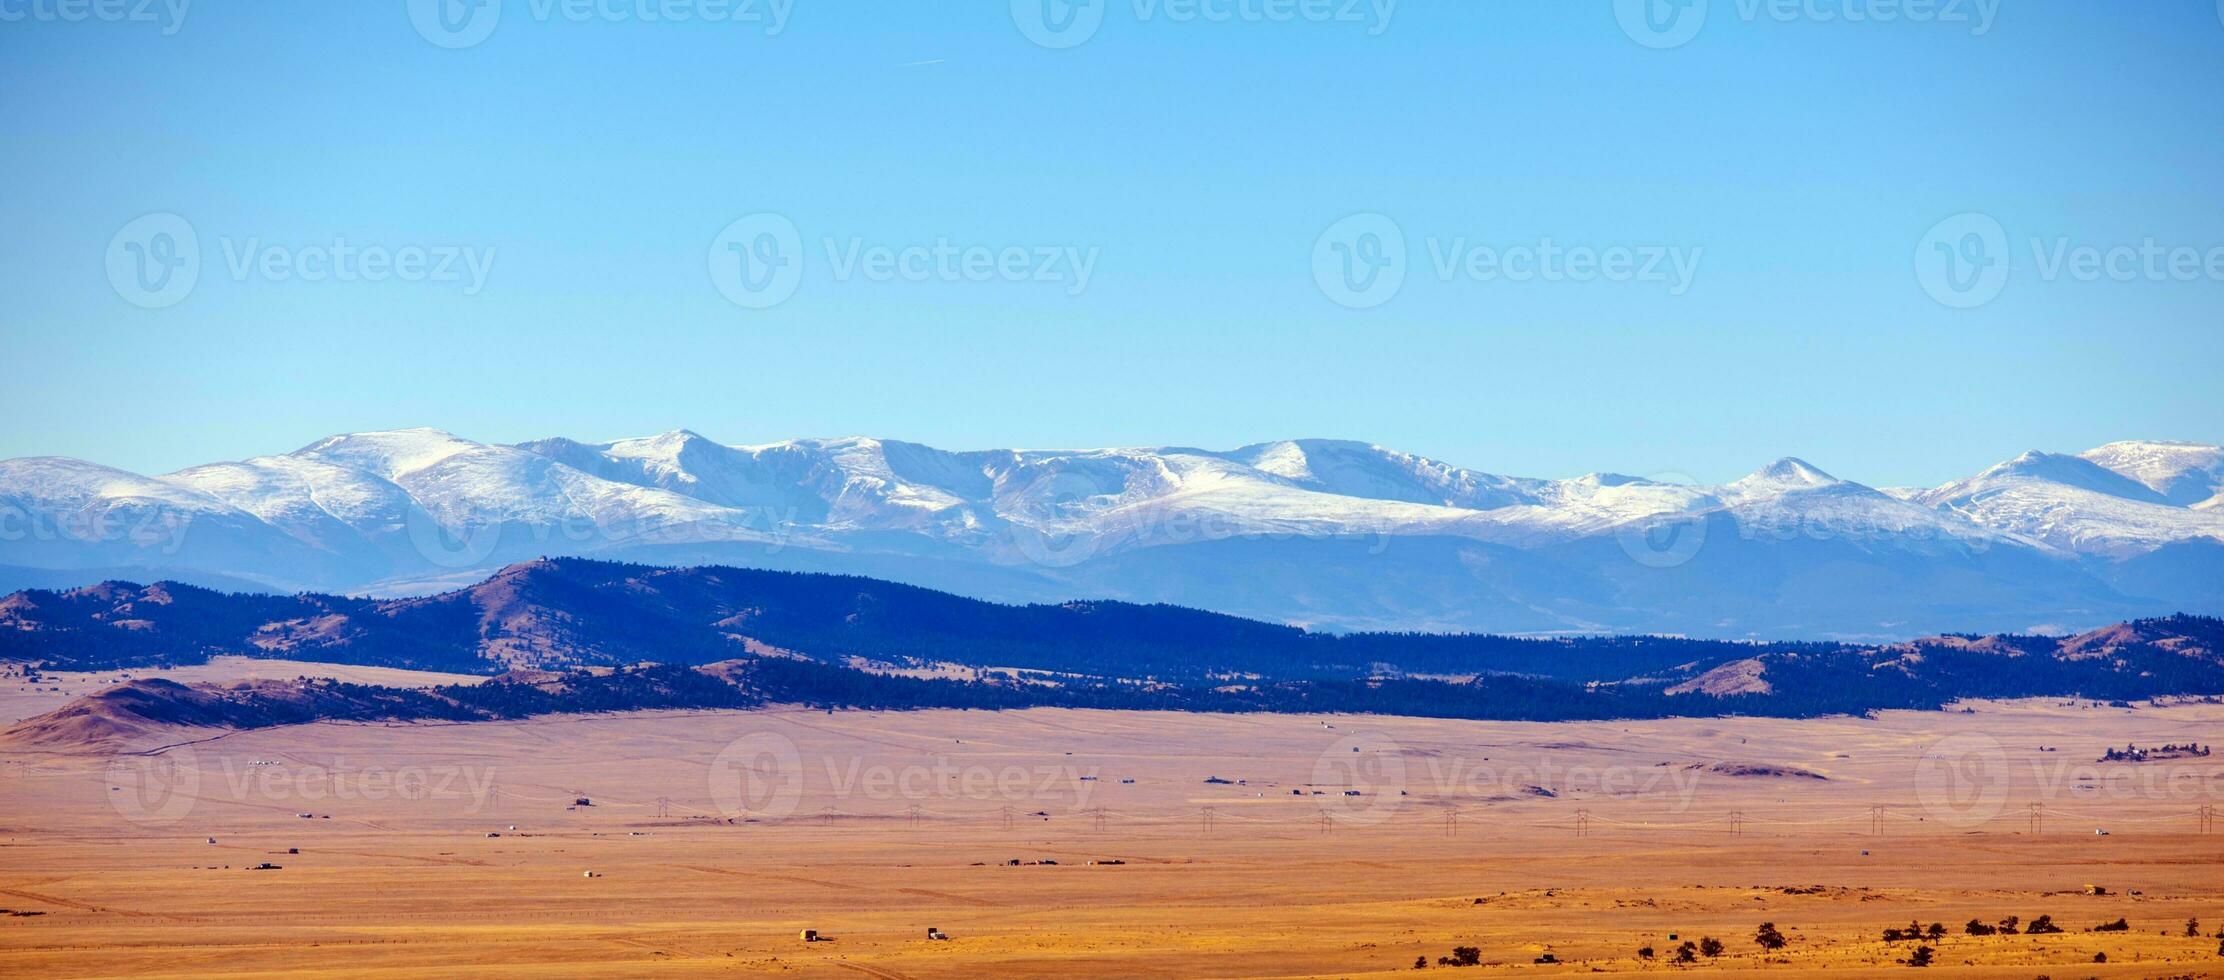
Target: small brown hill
(1748,676)
(153,708)
(120,716)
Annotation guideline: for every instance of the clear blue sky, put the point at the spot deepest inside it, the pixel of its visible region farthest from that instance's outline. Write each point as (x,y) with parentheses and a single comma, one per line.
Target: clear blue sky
(1804,160)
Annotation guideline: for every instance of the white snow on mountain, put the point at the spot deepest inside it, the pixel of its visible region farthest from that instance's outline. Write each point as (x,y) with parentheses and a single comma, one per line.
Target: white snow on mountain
(1792,497)
(1354,469)
(319,503)
(2112,500)
(379,510)
(2074,505)
(2184,473)
(390,455)
(54,484)
(458,481)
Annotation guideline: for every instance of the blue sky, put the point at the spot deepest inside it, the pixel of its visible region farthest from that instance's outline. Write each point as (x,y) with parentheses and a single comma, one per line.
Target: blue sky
(1799,165)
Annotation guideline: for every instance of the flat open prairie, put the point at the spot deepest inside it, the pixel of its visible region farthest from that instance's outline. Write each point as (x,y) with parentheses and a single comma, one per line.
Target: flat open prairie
(1184,845)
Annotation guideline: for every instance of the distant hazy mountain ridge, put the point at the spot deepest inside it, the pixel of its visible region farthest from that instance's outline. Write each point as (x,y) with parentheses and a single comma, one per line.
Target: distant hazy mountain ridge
(572,635)
(1323,533)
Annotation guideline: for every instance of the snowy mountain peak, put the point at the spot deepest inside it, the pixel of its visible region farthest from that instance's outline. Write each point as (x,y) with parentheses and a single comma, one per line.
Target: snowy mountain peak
(391,454)
(40,482)
(1790,473)
(1611,480)
(672,437)
(663,446)
(1358,469)
(1317,530)
(2183,473)
(2083,506)
(2071,471)
(1292,459)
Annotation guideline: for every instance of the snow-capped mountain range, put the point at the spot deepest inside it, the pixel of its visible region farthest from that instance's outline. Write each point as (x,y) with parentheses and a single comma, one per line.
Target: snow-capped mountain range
(1323,533)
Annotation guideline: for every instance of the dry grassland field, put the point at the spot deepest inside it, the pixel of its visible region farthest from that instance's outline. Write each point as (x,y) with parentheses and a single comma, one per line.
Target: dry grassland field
(1146,844)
